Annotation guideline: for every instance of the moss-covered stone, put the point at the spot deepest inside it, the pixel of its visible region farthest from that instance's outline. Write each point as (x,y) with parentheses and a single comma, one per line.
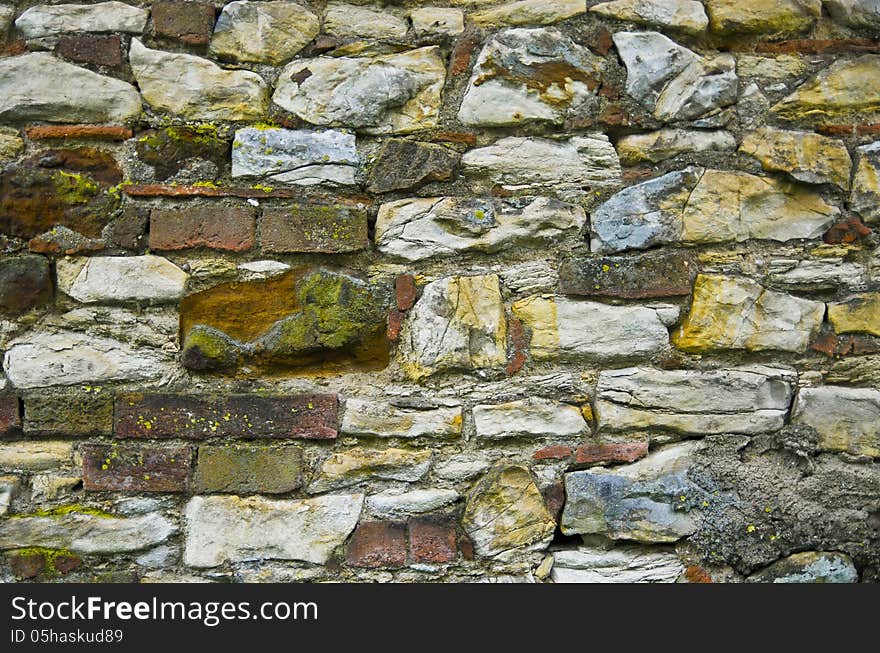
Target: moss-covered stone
(207,349)
(167,150)
(247,468)
(298,320)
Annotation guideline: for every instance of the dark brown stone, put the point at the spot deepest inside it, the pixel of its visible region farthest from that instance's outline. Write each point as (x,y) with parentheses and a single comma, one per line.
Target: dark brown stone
(460,59)
(244,416)
(168,150)
(59,188)
(626,452)
(432,539)
(215,226)
(129,230)
(136,468)
(188,22)
(10,416)
(73,413)
(639,276)
(27,565)
(401,164)
(554,499)
(25,282)
(321,228)
(95,49)
(377,544)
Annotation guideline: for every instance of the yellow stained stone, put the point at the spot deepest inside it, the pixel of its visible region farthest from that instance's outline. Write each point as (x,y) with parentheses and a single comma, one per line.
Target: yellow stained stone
(539,315)
(844,89)
(858,315)
(731,313)
(806,156)
(777,17)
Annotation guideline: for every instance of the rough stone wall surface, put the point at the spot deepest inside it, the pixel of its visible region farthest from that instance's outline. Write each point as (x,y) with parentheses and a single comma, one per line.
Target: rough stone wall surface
(458,291)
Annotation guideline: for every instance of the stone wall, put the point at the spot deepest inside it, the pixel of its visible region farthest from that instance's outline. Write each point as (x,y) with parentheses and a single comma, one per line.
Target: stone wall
(542,291)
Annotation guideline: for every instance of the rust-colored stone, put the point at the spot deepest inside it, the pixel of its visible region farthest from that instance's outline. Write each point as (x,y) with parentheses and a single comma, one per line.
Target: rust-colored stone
(136,468)
(696,574)
(377,544)
(825,344)
(553,452)
(604,42)
(59,188)
(245,416)
(95,132)
(847,231)
(614,116)
(188,22)
(405,291)
(460,60)
(626,452)
(217,227)
(463,138)
(395,324)
(820,46)
(95,49)
(432,539)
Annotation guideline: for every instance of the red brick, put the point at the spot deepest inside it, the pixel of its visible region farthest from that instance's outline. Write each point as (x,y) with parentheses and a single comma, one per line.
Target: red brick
(555,452)
(170,190)
(626,452)
(10,416)
(99,50)
(321,228)
(246,416)
(432,539)
(847,231)
(395,324)
(850,130)
(136,468)
(217,227)
(377,544)
(405,291)
(519,346)
(189,22)
(833,345)
(62,240)
(97,132)
(820,46)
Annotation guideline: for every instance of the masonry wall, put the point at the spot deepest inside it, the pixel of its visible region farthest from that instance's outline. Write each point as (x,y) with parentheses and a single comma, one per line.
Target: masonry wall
(541,291)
